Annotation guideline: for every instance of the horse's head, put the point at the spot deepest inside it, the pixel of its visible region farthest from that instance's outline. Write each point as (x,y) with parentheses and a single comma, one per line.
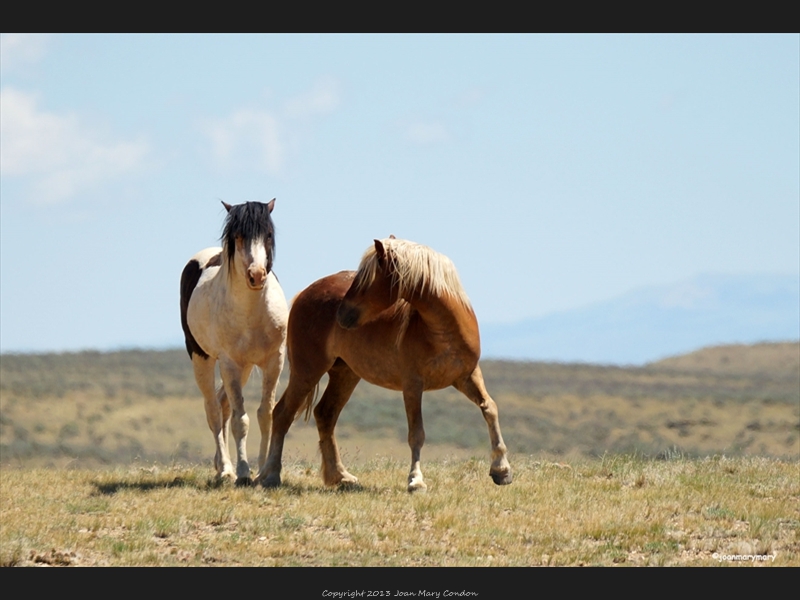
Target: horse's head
(373,289)
(249,241)
(398,269)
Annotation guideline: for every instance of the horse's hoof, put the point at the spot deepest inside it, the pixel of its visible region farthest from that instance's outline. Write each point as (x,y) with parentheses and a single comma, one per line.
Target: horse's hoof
(348,486)
(417,486)
(502,478)
(270,481)
(339,479)
(244,482)
(348,479)
(225,478)
(344,484)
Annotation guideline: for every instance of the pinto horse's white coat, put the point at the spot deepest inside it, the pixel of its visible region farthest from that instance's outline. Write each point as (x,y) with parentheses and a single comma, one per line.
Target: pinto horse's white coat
(237,314)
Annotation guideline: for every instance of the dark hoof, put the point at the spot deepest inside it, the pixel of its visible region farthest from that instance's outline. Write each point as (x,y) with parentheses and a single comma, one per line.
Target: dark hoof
(349,486)
(502,478)
(271,481)
(244,482)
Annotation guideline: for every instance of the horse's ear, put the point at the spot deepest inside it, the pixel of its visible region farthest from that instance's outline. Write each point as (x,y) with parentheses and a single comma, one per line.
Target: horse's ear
(380,251)
(271,205)
(227,206)
(391,236)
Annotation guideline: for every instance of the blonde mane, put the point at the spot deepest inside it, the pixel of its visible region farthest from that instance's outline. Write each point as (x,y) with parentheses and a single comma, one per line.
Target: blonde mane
(414,267)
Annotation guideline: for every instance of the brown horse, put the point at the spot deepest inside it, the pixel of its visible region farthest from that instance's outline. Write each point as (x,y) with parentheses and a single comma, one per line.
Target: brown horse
(402,322)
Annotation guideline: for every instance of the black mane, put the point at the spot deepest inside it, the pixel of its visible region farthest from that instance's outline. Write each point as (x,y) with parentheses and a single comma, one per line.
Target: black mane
(249,221)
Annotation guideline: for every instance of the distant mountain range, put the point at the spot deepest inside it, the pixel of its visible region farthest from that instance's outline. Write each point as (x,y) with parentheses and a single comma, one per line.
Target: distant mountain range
(655,322)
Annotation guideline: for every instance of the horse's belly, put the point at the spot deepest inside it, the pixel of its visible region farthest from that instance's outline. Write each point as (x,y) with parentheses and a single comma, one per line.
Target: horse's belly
(390,369)
(399,381)
(381,380)
(376,368)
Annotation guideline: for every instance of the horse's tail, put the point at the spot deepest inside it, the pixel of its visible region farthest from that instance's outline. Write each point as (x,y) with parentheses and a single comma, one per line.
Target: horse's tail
(308,403)
(189,278)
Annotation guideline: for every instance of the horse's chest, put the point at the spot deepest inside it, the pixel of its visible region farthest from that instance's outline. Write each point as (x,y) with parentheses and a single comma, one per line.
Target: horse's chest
(220,328)
(251,333)
(441,370)
(440,360)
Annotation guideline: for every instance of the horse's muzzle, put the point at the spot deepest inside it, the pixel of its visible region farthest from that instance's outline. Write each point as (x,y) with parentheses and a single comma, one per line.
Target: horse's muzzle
(256,278)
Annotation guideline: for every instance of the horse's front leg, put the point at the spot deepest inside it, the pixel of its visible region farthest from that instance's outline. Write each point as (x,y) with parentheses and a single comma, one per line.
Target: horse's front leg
(233,378)
(283,416)
(412,397)
(204,375)
(474,389)
(269,385)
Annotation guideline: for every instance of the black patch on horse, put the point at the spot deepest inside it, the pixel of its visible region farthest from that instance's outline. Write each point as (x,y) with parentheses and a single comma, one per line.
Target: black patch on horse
(249,221)
(189,278)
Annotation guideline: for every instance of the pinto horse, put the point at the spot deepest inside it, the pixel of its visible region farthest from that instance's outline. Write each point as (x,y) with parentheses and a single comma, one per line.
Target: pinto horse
(233,311)
(402,321)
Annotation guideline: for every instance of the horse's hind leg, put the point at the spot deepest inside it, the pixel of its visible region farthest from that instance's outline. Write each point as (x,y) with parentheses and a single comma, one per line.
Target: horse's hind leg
(340,387)
(233,378)
(412,397)
(204,375)
(474,389)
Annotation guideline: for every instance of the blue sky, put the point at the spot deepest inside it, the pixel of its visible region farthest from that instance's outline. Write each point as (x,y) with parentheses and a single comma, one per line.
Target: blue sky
(556,171)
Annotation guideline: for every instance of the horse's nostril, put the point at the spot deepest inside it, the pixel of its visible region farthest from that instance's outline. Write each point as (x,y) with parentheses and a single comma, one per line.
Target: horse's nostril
(256,277)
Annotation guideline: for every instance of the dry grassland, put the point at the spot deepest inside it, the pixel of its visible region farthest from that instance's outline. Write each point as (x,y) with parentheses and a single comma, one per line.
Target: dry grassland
(690,461)
(613,511)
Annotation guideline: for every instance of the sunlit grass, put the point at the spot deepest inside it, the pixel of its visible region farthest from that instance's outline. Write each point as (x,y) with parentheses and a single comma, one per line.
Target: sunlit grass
(674,464)
(610,511)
